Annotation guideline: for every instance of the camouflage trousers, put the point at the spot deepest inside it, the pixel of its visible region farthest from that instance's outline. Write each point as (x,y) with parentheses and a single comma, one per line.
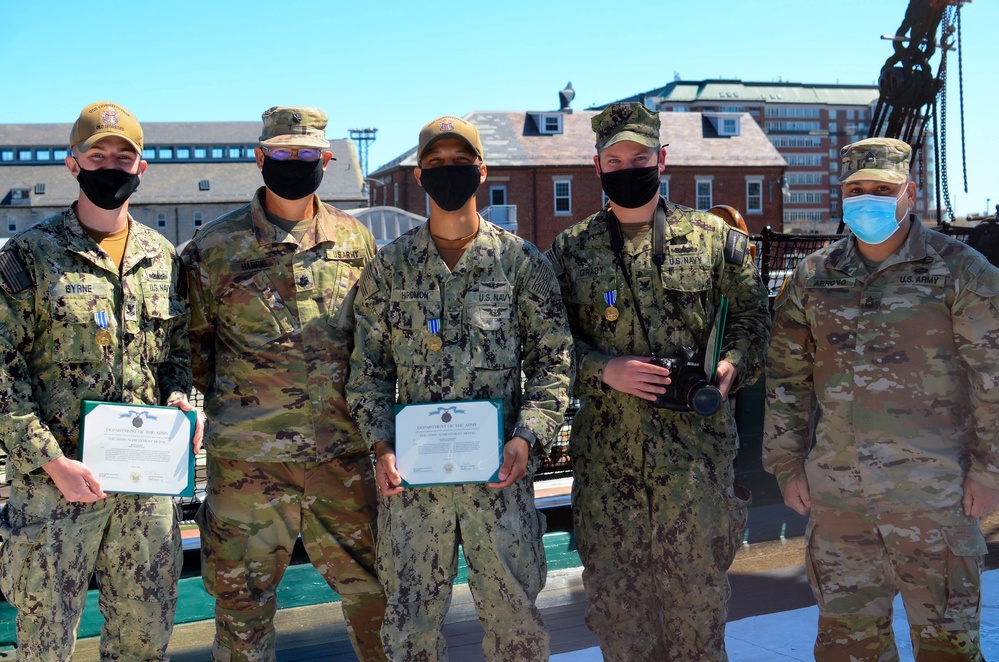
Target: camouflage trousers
(251,518)
(501,535)
(51,548)
(655,547)
(857,564)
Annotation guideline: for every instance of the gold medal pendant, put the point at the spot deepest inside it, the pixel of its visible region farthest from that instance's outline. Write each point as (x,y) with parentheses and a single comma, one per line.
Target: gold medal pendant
(103,337)
(611,313)
(435,343)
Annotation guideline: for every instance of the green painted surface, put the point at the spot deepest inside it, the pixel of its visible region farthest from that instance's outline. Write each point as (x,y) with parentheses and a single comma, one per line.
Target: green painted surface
(301,586)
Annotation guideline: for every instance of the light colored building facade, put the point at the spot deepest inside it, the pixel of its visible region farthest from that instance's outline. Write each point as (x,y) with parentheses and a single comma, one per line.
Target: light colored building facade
(808,124)
(197,172)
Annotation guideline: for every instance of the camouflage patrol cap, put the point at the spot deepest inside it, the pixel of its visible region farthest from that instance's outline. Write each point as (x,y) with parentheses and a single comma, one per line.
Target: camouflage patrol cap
(102,119)
(875,159)
(626,121)
(292,125)
(449,127)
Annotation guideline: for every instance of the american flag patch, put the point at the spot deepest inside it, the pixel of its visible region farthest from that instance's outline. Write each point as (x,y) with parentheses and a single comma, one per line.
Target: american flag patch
(13,273)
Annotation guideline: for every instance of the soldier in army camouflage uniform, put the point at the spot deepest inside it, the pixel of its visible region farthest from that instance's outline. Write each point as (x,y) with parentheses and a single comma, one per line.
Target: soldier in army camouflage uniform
(272,327)
(92,306)
(657,520)
(454,310)
(882,419)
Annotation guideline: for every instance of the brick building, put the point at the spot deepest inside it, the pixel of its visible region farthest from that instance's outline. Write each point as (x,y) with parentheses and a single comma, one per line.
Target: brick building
(541,176)
(197,172)
(807,124)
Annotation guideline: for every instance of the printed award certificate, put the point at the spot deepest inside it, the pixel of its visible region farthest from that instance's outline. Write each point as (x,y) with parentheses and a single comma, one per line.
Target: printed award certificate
(138,449)
(441,443)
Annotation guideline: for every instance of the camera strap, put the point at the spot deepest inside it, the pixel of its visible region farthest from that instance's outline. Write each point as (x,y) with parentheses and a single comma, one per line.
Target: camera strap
(658,258)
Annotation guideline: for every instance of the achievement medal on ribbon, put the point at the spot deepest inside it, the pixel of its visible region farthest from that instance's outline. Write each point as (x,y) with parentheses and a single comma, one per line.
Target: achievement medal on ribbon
(103,336)
(611,313)
(434,342)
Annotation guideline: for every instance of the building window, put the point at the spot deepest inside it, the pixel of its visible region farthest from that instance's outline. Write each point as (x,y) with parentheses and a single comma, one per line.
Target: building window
(199,218)
(802,127)
(250,154)
(6,155)
(183,153)
(833,127)
(148,153)
(160,219)
(19,194)
(704,195)
(60,154)
(804,178)
(781,111)
(164,152)
(217,152)
(804,159)
(204,185)
(832,113)
(11,226)
(664,188)
(754,197)
(24,155)
(200,153)
(796,141)
(43,154)
(235,152)
(548,123)
(850,113)
(563,197)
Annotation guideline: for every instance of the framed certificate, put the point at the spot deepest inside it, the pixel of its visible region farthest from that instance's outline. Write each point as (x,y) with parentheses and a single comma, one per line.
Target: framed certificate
(444,443)
(138,449)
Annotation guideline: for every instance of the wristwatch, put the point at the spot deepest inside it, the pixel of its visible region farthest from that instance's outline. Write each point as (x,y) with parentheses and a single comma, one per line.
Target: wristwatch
(525,434)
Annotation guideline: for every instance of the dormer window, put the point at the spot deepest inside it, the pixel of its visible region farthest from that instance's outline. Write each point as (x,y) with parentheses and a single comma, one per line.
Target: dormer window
(548,123)
(724,124)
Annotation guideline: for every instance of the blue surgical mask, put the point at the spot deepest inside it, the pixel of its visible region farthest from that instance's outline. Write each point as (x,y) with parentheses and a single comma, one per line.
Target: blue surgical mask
(872,217)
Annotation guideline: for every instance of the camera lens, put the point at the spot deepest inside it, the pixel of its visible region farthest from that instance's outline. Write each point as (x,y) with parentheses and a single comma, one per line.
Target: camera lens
(706,400)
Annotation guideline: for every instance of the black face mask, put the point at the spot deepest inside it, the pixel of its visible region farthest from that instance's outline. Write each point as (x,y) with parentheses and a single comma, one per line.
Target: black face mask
(292,179)
(108,188)
(631,188)
(450,186)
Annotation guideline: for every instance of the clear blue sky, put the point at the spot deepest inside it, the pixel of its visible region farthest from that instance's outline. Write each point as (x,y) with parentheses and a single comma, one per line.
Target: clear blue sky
(396,64)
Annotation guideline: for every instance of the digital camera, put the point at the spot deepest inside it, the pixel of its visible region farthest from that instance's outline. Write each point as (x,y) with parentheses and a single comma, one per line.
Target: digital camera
(689,389)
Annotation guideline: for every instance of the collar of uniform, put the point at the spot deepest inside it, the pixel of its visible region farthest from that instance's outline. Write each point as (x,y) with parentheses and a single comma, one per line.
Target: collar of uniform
(268,233)
(479,254)
(913,249)
(677,225)
(81,243)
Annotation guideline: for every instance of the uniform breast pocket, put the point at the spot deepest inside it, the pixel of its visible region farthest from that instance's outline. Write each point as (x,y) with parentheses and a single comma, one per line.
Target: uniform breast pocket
(334,279)
(590,298)
(74,330)
(252,315)
(687,278)
(161,314)
(411,323)
(492,337)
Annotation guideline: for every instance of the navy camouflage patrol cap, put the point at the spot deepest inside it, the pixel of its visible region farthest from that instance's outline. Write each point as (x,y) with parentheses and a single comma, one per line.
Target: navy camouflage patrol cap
(626,121)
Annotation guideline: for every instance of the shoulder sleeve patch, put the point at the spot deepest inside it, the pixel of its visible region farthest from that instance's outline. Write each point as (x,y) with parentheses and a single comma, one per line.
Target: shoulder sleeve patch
(550,256)
(736,243)
(543,282)
(13,274)
(368,286)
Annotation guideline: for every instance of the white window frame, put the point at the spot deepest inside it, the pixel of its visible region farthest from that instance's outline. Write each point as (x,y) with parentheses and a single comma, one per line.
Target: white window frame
(199,219)
(698,196)
(664,186)
(161,221)
(565,196)
(756,208)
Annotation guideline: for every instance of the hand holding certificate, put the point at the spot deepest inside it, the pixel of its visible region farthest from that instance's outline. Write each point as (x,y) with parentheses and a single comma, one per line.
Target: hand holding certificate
(442,443)
(139,449)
